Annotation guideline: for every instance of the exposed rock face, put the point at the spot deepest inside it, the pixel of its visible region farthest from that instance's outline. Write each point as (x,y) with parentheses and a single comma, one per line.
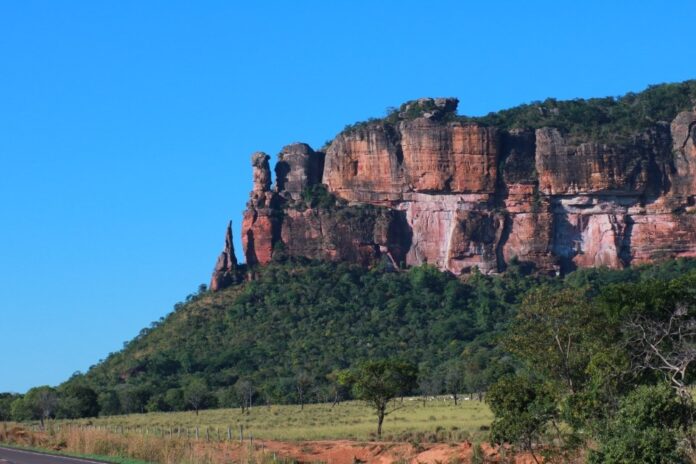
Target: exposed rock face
(298,167)
(381,163)
(261,172)
(588,168)
(452,158)
(424,187)
(259,225)
(356,234)
(683,178)
(226,271)
(365,165)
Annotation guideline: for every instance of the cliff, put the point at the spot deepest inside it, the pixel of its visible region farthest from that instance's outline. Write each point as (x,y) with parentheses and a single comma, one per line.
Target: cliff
(560,185)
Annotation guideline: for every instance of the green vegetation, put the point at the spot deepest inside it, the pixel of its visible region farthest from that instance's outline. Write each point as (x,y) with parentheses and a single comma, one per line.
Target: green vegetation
(599,359)
(303,322)
(600,119)
(610,365)
(378,383)
(609,119)
(318,196)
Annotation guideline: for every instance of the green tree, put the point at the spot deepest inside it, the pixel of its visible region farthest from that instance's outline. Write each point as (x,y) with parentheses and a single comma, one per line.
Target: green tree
(20,410)
(38,403)
(174,397)
(523,410)
(647,429)
(245,393)
(379,382)
(555,333)
(109,403)
(195,393)
(77,401)
(6,400)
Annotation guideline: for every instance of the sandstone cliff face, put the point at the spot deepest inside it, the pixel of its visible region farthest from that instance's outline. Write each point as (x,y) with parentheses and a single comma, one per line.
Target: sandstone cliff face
(426,188)
(260,222)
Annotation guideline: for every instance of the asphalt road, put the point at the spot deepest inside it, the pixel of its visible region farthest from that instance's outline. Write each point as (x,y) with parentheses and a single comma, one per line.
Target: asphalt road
(13,456)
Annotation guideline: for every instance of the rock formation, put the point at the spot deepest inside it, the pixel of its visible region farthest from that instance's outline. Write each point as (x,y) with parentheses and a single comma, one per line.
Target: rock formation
(424,186)
(226,271)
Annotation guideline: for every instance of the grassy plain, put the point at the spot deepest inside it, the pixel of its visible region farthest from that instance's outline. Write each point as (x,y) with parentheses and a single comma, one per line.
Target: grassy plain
(349,420)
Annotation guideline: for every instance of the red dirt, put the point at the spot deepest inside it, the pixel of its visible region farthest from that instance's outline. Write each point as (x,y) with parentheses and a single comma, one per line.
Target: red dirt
(350,452)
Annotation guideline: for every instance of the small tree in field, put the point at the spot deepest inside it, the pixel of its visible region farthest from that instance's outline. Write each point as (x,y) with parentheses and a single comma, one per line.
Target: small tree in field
(378,383)
(303,383)
(245,393)
(195,393)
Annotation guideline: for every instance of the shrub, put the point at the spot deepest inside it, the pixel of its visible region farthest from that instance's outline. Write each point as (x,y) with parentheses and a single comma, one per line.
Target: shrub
(646,429)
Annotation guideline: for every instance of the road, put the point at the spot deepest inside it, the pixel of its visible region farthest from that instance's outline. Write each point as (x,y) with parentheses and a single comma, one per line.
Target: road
(13,456)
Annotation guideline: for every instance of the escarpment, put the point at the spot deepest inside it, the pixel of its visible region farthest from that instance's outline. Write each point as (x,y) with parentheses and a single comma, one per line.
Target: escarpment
(427,186)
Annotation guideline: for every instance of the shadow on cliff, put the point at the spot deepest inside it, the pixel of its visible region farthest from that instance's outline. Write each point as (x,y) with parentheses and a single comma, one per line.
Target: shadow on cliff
(399,238)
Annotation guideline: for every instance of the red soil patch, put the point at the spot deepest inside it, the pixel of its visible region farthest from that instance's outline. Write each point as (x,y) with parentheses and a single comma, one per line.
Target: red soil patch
(350,452)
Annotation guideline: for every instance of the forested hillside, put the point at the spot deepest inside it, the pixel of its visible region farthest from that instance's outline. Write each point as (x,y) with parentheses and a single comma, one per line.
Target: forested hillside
(279,338)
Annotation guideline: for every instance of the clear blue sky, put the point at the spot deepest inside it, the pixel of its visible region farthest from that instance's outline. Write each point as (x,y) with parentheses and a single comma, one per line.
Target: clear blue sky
(126,128)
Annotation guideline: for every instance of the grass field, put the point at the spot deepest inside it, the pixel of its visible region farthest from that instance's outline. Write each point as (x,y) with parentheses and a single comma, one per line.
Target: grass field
(348,420)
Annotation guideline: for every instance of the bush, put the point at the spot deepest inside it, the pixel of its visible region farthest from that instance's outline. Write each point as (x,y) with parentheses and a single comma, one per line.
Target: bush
(522,409)
(646,429)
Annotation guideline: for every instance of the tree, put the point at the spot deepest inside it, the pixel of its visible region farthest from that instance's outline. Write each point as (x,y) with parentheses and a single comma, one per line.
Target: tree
(555,332)
(20,410)
(666,346)
(647,428)
(77,401)
(39,403)
(6,400)
(132,398)
(245,393)
(195,393)
(454,379)
(429,384)
(523,410)
(378,383)
(303,383)
(109,403)
(337,391)
(174,397)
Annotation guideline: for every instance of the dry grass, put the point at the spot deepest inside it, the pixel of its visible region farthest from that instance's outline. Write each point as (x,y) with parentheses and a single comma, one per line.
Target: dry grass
(170,438)
(135,448)
(349,420)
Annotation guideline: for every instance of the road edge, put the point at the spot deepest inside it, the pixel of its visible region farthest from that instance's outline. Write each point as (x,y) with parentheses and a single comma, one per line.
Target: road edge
(41,452)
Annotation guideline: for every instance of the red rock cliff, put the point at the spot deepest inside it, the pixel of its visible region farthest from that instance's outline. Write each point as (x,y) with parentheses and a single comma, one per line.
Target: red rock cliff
(424,187)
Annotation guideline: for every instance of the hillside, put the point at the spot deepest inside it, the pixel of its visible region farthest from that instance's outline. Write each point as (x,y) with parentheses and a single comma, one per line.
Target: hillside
(299,322)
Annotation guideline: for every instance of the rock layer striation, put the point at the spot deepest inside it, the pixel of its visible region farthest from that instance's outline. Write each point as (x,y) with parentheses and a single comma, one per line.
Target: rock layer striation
(425,187)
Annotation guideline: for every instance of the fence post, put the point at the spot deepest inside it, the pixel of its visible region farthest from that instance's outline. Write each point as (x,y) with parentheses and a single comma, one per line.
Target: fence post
(196,432)
(229,433)
(241,433)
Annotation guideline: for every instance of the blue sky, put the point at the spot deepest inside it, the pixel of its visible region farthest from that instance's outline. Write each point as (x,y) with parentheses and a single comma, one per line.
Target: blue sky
(126,128)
